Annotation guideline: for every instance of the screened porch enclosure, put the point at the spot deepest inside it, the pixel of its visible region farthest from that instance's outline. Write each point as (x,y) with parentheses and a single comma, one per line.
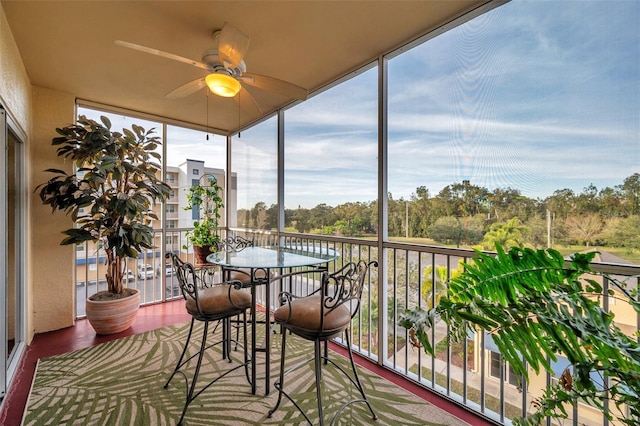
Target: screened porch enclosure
(515,126)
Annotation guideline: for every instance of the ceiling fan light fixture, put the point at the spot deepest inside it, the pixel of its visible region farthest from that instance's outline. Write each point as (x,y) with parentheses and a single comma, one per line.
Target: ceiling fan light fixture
(222,85)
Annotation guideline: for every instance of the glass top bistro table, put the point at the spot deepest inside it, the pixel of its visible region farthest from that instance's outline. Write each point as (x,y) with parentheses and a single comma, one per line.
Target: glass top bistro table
(262,263)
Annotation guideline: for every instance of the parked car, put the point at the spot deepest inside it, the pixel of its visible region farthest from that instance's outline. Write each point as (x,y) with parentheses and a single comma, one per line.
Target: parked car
(145,271)
(130,276)
(168,270)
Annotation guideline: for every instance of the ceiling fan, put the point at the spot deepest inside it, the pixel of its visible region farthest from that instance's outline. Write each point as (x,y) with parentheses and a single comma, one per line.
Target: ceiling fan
(227,71)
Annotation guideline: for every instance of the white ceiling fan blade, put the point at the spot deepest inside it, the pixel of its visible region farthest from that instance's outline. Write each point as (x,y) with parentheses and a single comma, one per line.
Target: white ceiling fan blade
(162,54)
(242,95)
(186,89)
(232,45)
(271,84)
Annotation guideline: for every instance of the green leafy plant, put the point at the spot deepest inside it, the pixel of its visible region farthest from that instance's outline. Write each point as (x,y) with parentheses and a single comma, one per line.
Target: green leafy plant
(537,307)
(110,194)
(206,197)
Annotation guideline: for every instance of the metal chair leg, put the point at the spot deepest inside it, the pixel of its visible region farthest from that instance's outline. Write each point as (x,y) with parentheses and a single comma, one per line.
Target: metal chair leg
(357,379)
(184,351)
(280,383)
(228,338)
(237,327)
(225,340)
(245,346)
(192,388)
(318,366)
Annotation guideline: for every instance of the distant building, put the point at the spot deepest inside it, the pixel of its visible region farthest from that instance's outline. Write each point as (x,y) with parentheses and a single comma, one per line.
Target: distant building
(180,179)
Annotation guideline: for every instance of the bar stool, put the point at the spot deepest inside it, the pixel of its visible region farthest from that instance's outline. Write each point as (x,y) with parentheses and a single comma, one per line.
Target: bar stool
(324,314)
(206,303)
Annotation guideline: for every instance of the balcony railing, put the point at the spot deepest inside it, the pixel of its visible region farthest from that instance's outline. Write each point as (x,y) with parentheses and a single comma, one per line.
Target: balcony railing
(470,374)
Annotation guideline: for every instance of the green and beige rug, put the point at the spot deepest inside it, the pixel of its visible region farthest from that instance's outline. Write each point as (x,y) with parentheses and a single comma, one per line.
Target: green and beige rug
(121,383)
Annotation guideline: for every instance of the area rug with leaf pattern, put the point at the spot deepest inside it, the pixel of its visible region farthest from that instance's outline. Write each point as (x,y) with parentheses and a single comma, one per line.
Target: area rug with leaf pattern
(122,383)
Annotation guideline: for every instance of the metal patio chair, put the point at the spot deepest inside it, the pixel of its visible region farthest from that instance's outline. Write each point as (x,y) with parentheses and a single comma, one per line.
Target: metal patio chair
(324,314)
(208,303)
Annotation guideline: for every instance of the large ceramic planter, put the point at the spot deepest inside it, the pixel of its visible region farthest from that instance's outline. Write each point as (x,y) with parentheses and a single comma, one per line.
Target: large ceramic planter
(113,316)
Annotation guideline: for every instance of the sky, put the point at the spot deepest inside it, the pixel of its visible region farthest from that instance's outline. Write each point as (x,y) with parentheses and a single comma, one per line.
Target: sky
(534,95)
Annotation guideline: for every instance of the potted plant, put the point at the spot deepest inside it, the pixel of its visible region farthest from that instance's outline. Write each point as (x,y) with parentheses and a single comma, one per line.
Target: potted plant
(109,196)
(538,306)
(206,197)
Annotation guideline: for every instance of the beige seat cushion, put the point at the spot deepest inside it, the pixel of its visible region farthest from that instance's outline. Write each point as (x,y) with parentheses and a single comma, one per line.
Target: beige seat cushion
(215,300)
(305,315)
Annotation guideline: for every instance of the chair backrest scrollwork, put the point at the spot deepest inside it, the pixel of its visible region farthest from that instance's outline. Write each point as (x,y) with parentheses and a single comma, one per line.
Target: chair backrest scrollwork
(234,243)
(188,279)
(345,286)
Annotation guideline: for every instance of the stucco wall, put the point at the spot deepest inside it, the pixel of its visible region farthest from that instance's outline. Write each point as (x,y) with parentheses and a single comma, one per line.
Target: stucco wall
(49,266)
(15,88)
(15,97)
(52,264)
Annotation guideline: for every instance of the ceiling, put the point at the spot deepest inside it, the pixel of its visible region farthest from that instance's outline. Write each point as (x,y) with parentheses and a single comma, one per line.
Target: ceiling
(70,46)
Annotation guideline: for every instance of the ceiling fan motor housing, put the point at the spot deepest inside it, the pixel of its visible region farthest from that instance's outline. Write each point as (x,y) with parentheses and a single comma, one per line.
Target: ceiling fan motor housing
(211,58)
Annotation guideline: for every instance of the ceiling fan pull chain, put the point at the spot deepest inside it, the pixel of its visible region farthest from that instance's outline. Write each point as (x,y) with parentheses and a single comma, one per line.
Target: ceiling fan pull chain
(207,100)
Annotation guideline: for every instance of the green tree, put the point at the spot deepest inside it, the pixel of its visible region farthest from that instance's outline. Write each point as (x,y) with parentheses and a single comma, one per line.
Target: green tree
(397,217)
(537,232)
(610,201)
(259,215)
(441,279)
(366,221)
(321,216)
(473,229)
(421,213)
(443,204)
(473,198)
(561,203)
(623,232)
(302,220)
(242,217)
(289,215)
(272,217)
(355,218)
(459,231)
(447,230)
(342,227)
(348,211)
(587,202)
(461,199)
(630,189)
(508,202)
(510,234)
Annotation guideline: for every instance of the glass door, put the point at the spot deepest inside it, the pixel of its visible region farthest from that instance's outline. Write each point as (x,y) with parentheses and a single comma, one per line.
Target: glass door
(12,202)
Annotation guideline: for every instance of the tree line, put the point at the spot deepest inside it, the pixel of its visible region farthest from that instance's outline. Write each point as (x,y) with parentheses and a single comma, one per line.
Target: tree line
(464,214)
